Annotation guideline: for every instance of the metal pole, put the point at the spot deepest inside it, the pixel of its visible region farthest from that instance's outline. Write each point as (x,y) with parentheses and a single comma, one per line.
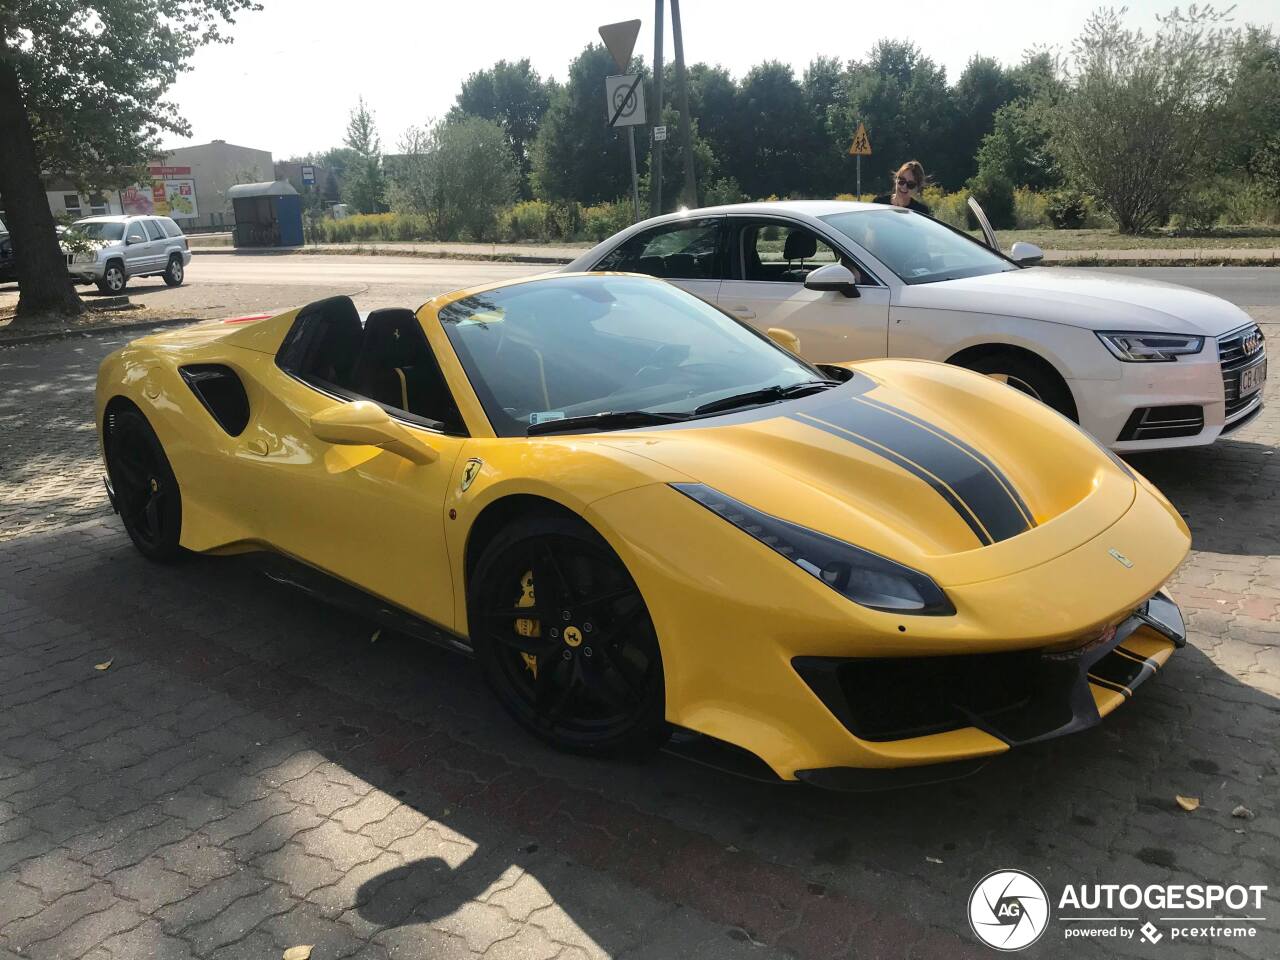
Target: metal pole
(859,177)
(686,121)
(635,181)
(655,162)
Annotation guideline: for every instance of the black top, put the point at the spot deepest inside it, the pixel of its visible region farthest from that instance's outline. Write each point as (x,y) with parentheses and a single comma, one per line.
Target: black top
(915,204)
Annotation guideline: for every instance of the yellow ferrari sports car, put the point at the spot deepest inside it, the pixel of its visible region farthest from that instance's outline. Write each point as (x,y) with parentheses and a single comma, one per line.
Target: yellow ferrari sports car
(643,517)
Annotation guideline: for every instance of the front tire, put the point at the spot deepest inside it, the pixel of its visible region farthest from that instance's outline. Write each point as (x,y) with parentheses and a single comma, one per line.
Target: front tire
(565,641)
(1027,377)
(114,279)
(146,491)
(175,272)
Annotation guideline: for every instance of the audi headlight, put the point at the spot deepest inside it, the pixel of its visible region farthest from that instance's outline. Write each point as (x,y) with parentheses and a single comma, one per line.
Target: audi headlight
(1150,347)
(864,577)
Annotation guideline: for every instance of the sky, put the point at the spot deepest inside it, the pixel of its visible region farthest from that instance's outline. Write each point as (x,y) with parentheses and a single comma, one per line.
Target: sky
(296,67)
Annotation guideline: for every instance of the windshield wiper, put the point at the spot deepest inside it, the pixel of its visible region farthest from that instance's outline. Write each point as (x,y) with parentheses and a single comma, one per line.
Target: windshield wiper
(606,420)
(765,395)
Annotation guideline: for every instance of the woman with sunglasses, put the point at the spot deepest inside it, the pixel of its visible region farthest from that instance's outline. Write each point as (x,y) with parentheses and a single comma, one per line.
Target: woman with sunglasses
(907,184)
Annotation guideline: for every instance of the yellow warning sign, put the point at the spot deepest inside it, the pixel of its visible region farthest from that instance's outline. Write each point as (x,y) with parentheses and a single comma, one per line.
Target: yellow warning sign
(861,146)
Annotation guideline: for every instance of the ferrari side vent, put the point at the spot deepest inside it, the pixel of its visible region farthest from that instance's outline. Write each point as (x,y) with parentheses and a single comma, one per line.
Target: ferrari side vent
(222,394)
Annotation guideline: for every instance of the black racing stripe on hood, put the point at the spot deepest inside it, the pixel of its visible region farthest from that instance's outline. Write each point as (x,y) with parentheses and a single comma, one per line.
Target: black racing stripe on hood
(880,450)
(978,455)
(984,493)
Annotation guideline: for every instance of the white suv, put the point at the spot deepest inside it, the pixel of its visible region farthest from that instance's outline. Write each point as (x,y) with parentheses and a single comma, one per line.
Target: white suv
(124,247)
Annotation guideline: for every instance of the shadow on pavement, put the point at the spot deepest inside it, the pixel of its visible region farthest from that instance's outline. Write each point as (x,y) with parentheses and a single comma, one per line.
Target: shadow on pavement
(238,681)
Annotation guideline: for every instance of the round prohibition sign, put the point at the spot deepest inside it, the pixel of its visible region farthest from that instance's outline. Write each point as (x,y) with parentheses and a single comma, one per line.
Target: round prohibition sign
(624,101)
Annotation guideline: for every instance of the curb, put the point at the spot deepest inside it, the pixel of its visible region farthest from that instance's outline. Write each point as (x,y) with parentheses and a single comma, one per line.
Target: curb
(94,331)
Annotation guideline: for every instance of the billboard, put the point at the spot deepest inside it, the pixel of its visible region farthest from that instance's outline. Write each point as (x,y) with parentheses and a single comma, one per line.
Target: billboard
(161,198)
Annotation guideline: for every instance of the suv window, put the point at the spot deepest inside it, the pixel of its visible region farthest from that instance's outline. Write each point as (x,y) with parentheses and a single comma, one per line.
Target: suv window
(153,230)
(135,232)
(170,228)
(673,251)
(775,252)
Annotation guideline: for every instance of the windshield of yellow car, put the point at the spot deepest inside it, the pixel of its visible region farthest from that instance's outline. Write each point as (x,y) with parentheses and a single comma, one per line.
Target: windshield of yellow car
(569,347)
(917,248)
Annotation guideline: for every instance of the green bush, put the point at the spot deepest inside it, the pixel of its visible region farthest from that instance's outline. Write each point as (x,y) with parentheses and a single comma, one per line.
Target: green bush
(526,220)
(603,220)
(1030,209)
(947,207)
(1067,209)
(723,191)
(1249,201)
(994,191)
(1199,210)
(564,220)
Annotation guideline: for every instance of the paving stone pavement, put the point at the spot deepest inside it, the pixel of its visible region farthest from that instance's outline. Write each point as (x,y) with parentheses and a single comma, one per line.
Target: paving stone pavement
(252,772)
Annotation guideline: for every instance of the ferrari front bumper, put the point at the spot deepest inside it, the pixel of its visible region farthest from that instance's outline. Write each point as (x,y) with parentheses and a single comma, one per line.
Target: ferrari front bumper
(1016,698)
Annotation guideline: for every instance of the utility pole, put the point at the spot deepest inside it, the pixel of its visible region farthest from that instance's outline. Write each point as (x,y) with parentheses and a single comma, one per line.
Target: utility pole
(655,164)
(686,121)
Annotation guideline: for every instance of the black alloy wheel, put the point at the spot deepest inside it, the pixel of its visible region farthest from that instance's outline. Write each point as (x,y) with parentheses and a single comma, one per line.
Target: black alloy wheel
(146,491)
(1027,377)
(565,640)
(174,273)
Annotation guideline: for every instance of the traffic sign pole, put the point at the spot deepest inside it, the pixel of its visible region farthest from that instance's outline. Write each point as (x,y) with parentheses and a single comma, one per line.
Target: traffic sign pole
(859,176)
(635,181)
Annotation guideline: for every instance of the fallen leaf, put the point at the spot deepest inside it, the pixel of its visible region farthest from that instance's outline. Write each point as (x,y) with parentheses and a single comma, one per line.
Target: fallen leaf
(376,634)
(933,859)
(1243,812)
(301,952)
(1187,803)
(104,665)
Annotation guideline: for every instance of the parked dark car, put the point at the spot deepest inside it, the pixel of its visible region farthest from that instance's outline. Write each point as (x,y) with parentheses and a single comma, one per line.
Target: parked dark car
(8,267)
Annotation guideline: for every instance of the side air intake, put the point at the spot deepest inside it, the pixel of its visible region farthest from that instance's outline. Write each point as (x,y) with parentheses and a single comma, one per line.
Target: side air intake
(222,394)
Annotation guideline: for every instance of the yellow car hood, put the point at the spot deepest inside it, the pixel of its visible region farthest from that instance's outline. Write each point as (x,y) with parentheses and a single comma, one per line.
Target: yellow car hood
(936,467)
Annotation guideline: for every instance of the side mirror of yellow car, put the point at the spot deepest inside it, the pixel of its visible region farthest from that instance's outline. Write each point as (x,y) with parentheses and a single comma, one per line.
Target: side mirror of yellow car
(364,423)
(785,339)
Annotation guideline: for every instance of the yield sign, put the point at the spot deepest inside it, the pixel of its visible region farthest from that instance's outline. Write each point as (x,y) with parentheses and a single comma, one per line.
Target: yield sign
(861,146)
(620,40)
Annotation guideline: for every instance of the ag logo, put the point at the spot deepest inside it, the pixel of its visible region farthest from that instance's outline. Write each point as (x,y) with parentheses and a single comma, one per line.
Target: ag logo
(1008,910)
(470,470)
(1120,557)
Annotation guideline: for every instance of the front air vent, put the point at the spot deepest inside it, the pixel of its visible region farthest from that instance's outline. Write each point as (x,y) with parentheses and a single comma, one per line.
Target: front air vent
(222,394)
(1163,423)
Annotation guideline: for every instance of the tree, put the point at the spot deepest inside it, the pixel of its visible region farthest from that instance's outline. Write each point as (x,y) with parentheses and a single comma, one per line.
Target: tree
(1250,114)
(983,88)
(822,84)
(82,92)
(365,187)
(902,97)
(575,155)
(772,132)
(1132,128)
(458,174)
(514,96)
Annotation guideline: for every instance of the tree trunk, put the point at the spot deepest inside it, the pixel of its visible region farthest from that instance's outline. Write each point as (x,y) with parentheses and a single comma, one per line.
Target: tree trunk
(43,282)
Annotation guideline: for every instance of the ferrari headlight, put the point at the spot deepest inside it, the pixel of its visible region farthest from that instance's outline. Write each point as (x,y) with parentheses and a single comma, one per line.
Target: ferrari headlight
(864,577)
(1150,347)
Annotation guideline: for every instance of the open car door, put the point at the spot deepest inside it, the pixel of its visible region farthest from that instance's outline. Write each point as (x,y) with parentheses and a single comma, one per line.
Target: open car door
(981,216)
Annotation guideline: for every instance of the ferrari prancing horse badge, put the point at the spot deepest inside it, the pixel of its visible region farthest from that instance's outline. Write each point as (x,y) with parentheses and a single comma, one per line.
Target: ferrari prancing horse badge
(470,470)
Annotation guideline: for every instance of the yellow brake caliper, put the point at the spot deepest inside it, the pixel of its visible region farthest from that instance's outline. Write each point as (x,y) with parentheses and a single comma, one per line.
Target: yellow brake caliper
(526,627)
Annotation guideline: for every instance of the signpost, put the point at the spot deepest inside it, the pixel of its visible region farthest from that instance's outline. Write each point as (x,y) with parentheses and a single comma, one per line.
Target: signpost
(861,147)
(624,96)
(308,175)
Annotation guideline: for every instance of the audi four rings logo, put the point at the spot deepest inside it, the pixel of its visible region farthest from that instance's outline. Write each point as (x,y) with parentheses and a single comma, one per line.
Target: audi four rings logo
(1252,343)
(1008,910)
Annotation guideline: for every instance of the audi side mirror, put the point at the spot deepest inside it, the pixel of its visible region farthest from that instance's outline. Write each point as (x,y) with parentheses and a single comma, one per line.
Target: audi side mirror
(833,277)
(1024,254)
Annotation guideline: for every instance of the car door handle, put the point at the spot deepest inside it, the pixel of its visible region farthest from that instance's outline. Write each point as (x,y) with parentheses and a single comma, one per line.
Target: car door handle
(746,313)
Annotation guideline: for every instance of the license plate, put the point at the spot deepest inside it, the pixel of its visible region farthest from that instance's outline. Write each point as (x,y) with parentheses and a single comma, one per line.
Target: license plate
(1251,380)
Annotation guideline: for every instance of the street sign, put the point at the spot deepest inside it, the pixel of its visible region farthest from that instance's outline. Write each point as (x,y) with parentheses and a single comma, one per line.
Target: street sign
(660,132)
(861,146)
(624,101)
(620,39)
(308,174)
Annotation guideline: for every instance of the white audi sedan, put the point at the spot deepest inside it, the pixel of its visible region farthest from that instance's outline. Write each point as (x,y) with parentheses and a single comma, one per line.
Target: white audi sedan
(1140,364)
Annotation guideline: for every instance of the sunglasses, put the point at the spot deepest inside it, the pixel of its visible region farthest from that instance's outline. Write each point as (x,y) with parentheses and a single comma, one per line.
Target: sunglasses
(909,184)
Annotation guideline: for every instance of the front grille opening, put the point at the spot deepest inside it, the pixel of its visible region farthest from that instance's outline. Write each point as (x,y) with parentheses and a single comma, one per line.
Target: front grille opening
(1238,351)
(1022,694)
(1161,423)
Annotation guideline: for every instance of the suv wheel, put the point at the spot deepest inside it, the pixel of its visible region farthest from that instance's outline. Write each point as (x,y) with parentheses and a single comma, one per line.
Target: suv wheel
(174,273)
(113,278)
